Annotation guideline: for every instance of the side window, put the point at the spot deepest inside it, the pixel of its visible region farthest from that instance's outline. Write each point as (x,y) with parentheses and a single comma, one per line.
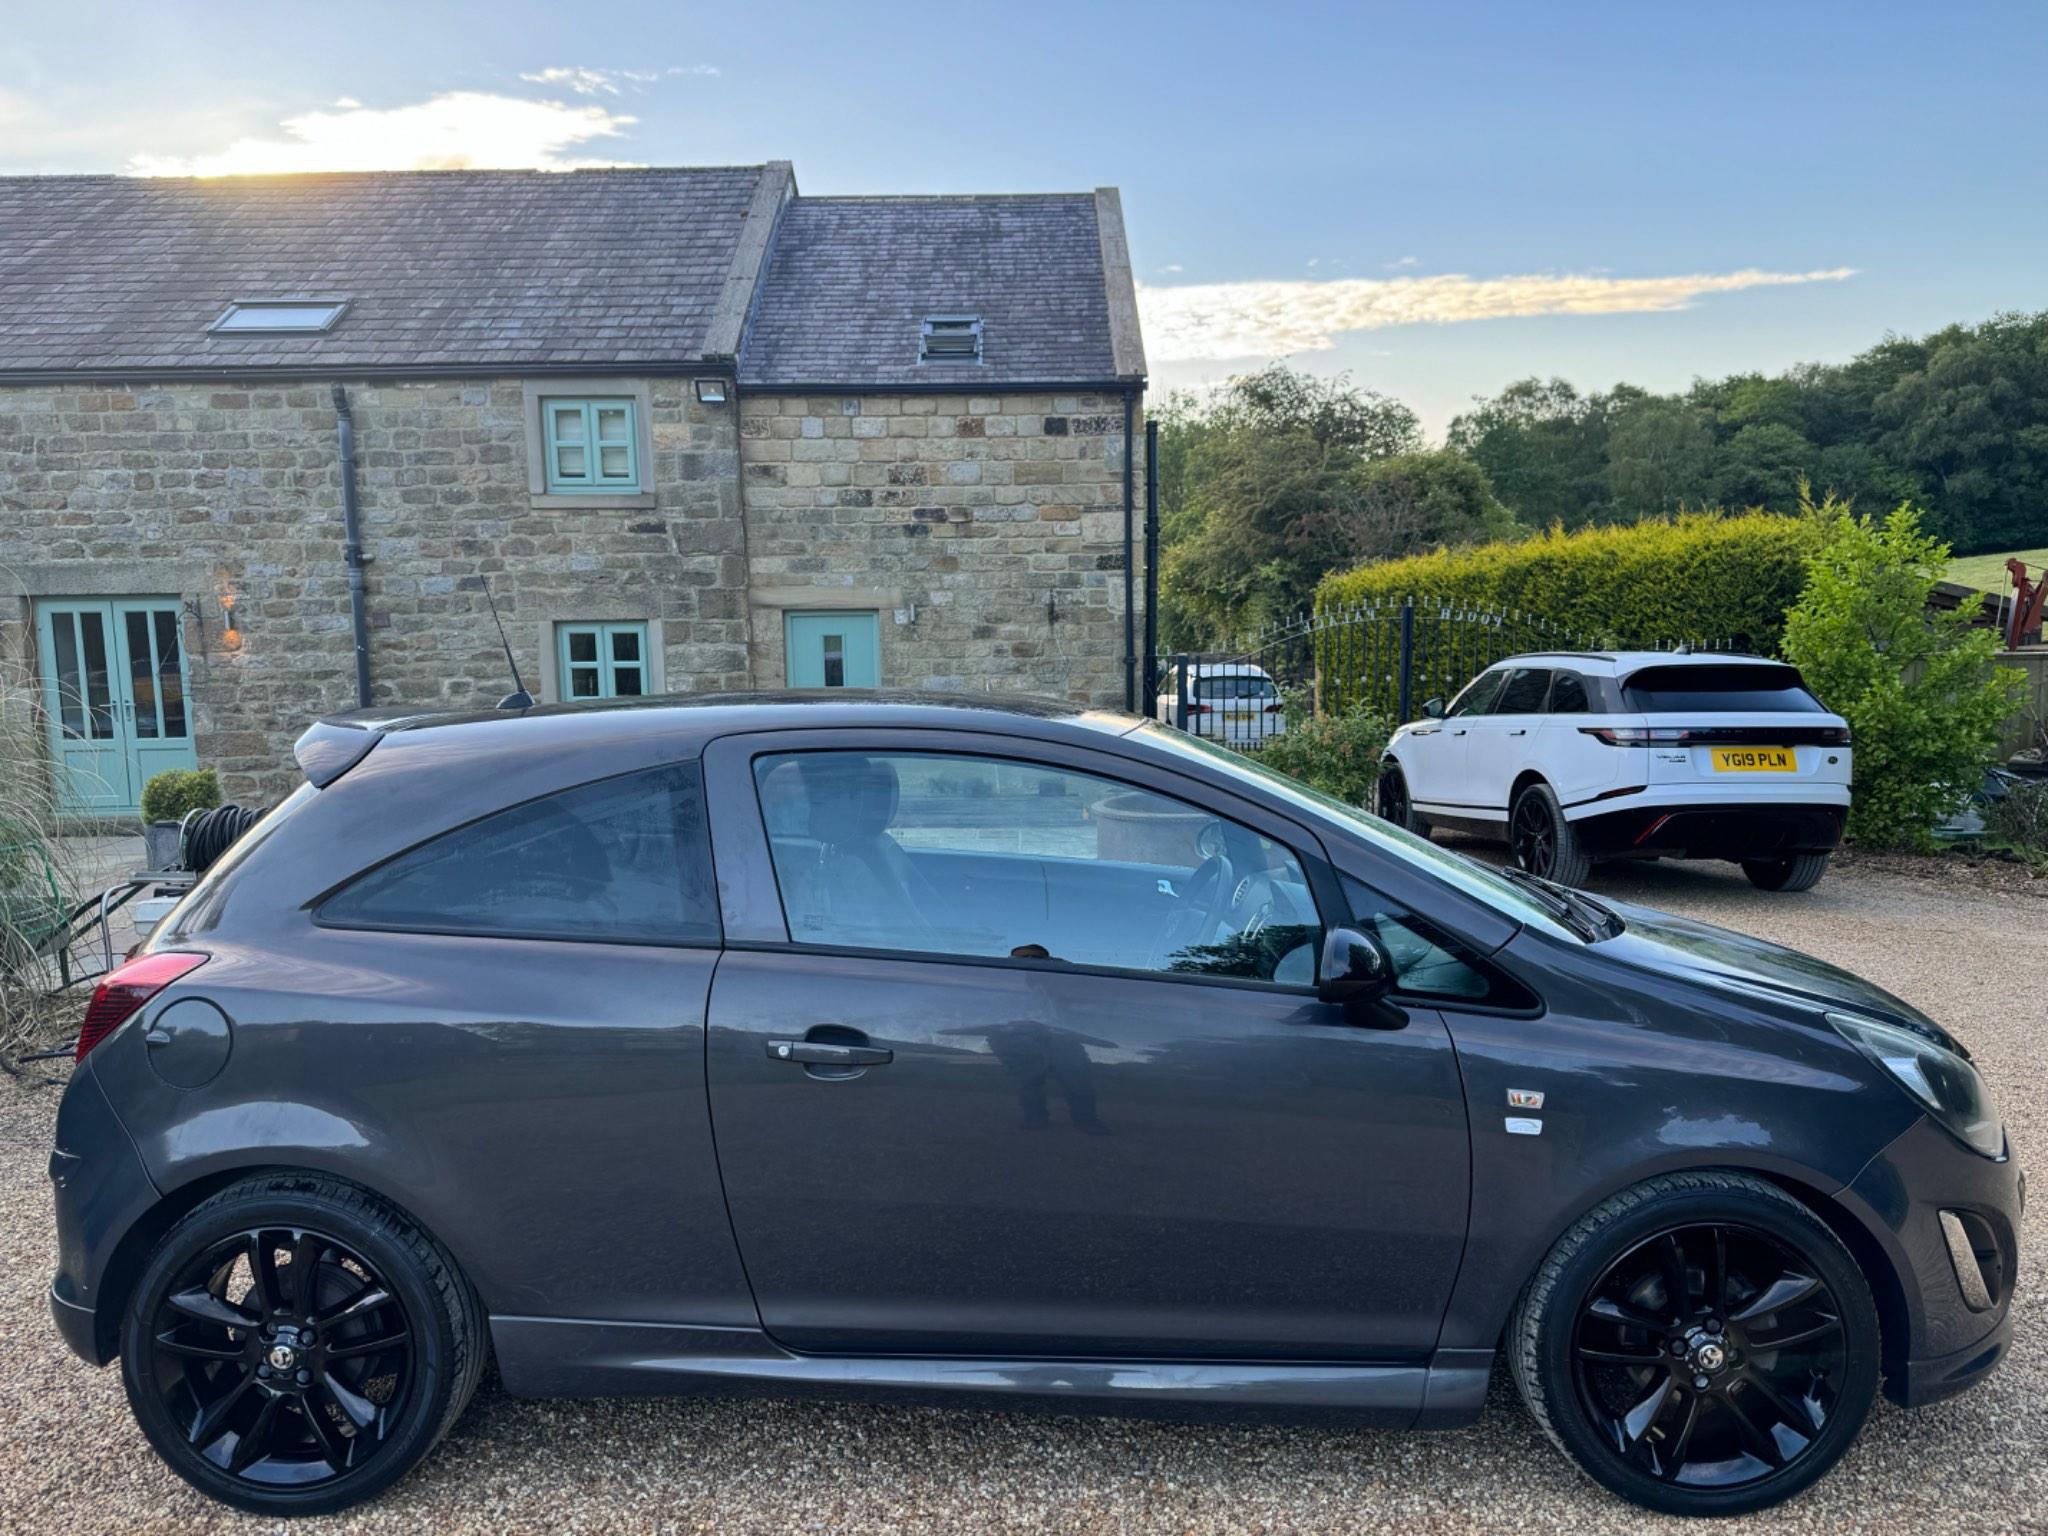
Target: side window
(1568,695)
(623,860)
(1524,692)
(963,855)
(1478,695)
(1428,963)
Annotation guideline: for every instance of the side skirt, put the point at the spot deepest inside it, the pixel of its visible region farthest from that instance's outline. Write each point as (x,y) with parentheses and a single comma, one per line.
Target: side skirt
(569,1357)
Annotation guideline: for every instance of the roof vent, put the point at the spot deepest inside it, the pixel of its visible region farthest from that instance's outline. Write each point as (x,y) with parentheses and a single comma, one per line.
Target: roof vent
(274,317)
(950,339)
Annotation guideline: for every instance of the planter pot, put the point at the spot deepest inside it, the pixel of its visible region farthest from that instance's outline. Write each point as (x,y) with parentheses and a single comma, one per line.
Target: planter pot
(161,839)
(147,911)
(1143,829)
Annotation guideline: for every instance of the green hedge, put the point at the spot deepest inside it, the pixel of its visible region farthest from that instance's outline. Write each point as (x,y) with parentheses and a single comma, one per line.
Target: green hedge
(1703,577)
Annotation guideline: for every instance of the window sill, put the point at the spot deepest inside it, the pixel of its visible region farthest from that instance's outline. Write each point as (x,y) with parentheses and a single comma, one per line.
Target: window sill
(592,501)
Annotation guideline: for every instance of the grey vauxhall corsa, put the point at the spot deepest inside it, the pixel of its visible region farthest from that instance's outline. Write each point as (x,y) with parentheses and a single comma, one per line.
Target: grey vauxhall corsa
(985,1052)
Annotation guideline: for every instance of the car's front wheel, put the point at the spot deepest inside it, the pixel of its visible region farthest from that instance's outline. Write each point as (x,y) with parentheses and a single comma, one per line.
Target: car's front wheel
(1801,872)
(1395,803)
(295,1346)
(1701,1344)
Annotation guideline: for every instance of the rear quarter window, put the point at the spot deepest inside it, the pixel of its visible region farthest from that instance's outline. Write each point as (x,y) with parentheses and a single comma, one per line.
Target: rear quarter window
(623,860)
(1710,689)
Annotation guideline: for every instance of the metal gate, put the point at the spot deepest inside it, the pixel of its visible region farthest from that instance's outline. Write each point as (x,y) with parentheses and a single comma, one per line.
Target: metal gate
(1390,658)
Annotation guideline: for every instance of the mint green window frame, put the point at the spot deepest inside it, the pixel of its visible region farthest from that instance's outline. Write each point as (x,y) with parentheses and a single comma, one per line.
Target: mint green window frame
(590,445)
(602,661)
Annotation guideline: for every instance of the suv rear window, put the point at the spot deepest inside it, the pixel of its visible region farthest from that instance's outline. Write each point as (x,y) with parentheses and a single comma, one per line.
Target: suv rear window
(623,860)
(1761,686)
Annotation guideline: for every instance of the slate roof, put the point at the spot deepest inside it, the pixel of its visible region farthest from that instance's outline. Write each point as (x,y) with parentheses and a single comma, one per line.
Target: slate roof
(441,268)
(849,281)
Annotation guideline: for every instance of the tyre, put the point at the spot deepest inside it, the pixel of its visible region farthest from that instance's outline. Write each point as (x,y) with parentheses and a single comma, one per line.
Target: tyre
(1542,841)
(1701,1344)
(1801,872)
(1394,803)
(295,1346)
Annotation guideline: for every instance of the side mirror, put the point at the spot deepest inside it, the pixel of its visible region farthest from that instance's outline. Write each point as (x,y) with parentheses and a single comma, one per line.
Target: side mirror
(1356,968)
(1432,709)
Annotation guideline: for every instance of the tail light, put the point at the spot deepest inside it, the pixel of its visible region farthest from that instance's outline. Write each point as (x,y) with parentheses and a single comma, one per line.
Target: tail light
(1635,735)
(1198,709)
(126,989)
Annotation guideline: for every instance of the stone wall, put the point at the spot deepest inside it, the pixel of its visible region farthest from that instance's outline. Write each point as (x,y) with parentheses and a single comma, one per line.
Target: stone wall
(204,492)
(988,531)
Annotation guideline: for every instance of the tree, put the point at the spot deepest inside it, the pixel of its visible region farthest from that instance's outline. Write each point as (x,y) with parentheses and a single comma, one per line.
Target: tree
(1922,691)
(1261,491)
(1659,451)
(1544,447)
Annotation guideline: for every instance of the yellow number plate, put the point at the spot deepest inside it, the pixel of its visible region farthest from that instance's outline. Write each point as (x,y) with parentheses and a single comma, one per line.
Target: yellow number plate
(1755,760)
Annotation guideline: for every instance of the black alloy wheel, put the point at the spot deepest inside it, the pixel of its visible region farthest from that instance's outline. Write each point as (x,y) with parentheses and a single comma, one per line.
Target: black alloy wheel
(1711,1356)
(1532,838)
(1701,1343)
(1395,806)
(295,1345)
(283,1355)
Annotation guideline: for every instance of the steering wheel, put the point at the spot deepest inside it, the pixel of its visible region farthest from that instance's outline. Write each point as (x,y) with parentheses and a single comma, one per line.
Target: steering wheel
(1198,914)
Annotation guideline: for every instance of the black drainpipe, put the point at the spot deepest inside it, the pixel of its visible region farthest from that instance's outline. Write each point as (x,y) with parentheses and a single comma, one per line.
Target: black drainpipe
(352,534)
(1130,551)
(1150,678)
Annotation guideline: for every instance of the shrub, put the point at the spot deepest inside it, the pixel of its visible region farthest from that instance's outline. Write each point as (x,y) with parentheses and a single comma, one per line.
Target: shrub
(2017,823)
(1700,576)
(1337,753)
(170,795)
(1923,694)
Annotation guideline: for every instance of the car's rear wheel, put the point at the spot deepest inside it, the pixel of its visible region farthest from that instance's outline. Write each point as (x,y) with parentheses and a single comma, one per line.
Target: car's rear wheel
(1542,841)
(1701,1344)
(1395,803)
(295,1346)
(1801,872)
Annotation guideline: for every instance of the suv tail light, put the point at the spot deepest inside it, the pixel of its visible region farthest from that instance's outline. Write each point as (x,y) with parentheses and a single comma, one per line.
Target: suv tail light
(1672,735)
(123,990)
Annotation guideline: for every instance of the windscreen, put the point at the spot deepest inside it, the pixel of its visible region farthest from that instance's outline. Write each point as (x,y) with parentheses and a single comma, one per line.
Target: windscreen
(1690,690)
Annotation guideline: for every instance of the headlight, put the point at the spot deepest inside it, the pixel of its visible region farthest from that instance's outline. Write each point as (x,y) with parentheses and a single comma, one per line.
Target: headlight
(1944,1082)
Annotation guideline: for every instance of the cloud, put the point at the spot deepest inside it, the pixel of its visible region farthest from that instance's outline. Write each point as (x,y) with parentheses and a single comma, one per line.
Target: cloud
(1217,321)
(453,131)
(585,81)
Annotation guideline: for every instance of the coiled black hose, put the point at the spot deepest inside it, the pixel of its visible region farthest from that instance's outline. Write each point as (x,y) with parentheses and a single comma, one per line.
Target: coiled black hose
(206,835)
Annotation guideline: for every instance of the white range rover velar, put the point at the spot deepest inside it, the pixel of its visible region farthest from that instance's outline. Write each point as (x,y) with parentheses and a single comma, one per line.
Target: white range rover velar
(1576,757)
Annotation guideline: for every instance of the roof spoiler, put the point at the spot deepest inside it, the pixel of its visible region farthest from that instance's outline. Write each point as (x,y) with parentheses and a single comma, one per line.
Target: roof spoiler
(331,747)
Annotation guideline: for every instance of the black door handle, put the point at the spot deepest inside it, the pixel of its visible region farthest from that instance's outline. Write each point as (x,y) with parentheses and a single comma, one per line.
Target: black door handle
(818,1053)
(1520,730)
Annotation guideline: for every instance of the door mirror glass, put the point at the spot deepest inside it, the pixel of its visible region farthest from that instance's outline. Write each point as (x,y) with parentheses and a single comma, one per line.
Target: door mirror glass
(1356,968)
(1432,709)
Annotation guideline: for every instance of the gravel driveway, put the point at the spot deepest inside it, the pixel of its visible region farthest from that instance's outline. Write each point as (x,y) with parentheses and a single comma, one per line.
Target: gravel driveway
(71,1459)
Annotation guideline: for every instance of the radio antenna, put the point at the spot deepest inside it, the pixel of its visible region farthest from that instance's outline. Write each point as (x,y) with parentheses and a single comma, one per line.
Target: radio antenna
(518,698)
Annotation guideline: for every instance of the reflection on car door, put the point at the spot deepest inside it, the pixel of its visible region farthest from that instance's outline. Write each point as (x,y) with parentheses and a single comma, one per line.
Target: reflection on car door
(1142,1154)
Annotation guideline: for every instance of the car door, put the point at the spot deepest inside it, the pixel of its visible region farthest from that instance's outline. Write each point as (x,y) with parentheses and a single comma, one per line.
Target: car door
(1436,751)
(1503,740)
(1059,1112)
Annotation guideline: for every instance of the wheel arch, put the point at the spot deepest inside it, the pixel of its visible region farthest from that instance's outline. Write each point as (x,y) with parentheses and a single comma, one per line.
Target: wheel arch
(131,1254)
(1523,780)
(1879,1265)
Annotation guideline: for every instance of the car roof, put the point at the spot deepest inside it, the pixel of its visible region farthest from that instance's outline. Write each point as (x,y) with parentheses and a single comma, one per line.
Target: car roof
(1622,663)
(333,744)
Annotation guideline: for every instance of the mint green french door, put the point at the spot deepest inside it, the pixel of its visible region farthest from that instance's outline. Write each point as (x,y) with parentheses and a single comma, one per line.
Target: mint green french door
(115,695)
(833,650)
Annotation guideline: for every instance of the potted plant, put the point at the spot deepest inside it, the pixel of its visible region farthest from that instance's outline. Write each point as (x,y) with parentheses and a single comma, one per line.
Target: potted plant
(167,799)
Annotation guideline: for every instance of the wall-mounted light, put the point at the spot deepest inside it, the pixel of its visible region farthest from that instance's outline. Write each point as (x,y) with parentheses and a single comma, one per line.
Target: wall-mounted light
(231,635)
(711,391)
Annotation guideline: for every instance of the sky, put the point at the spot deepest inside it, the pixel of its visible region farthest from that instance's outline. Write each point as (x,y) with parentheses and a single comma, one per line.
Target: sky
(1433,198)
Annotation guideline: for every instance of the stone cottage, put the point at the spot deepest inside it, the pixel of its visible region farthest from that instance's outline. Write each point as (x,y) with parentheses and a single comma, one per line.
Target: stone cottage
(272,447)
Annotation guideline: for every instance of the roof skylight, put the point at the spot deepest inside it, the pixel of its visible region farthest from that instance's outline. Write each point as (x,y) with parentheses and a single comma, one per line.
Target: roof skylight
(950,339)
(268,317)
